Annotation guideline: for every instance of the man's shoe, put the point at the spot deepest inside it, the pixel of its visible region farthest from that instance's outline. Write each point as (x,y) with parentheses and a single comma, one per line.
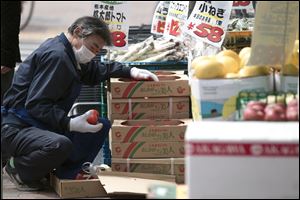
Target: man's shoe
(15,178)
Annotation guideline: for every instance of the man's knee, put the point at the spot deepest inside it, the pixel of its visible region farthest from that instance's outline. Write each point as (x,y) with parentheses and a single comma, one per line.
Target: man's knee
(59,146)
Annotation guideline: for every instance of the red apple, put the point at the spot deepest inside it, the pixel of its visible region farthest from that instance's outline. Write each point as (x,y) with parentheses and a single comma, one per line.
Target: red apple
(279,107)
(292,113)
(251,114)
(275,112)
(93,118)
(256,103)
(293,103)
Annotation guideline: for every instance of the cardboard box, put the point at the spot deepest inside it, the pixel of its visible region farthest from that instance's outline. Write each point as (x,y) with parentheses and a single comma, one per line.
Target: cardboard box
(289,83)
(242,160)
(158,177)
(169,166)
(150,108)
(132,185)
(126,131)
(110,185)
(148,150)
(138,116)
(168,73)
(215,99)
(77,188)
(180,178)
(167,86)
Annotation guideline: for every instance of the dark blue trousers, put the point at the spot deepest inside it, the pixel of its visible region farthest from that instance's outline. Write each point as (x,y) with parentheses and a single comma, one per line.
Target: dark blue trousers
(37,152)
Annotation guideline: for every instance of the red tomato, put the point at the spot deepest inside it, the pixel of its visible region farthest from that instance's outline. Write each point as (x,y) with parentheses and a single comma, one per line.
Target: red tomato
(93,118)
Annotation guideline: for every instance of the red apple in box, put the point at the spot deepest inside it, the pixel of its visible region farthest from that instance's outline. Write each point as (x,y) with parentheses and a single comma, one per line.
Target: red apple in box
(275,112)
(292,111)
(251,114)
(293,103)
(254,111)
(256,103)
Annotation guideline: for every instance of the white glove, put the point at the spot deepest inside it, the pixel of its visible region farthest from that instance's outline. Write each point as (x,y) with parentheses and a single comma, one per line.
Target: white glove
(80,124)
(142,74)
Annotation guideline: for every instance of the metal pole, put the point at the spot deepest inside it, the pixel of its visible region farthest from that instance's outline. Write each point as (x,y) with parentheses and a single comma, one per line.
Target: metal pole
(106,153)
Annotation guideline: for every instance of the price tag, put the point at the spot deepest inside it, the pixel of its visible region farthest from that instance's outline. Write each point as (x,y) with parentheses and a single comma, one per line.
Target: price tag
(114,13)
(275,31)
(239,5)
(176,18)
(119,38)
(208,21)
(159,18)
(212,33)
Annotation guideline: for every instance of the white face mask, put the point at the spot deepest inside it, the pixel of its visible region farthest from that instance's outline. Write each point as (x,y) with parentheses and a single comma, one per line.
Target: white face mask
(83,55)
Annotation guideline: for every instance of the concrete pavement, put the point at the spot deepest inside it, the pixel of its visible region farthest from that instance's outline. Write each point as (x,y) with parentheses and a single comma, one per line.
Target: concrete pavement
(10,192)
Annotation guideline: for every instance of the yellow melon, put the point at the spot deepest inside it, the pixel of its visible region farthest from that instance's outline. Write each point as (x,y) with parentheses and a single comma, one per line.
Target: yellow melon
(230,64)
(199,59)
(209,69)
(250,71)
(232,75)
(244,51)
(245,59)
(231,54)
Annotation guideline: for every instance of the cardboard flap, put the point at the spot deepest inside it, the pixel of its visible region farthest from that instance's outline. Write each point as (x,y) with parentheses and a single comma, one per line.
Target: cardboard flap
(114,184)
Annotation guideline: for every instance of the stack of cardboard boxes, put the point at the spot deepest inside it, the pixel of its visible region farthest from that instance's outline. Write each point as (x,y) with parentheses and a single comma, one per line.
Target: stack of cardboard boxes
(149,123)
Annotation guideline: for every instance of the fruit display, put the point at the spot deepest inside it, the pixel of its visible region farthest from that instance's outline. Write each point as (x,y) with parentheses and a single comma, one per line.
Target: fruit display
(272,108)
(227,64)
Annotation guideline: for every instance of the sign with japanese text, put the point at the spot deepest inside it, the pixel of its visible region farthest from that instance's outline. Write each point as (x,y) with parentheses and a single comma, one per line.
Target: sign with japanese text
(176,18)
(240,5)
(159,18)
(208,21)
(114,13)
(275,31)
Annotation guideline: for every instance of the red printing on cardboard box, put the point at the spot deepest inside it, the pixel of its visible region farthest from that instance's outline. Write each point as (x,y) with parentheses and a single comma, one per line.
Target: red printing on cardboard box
(242,149)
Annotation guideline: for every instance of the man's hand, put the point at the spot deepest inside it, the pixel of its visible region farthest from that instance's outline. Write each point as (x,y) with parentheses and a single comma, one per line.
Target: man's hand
(4,69)
(142,74)
(80,124)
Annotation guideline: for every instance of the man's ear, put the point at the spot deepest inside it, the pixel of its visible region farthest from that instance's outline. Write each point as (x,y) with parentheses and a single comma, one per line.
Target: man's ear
(77,32)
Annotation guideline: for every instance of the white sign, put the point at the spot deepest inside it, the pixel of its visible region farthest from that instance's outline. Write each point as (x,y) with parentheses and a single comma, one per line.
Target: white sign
(208,21)
(176,18)
(114,13)
(159,18)
(275,31)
